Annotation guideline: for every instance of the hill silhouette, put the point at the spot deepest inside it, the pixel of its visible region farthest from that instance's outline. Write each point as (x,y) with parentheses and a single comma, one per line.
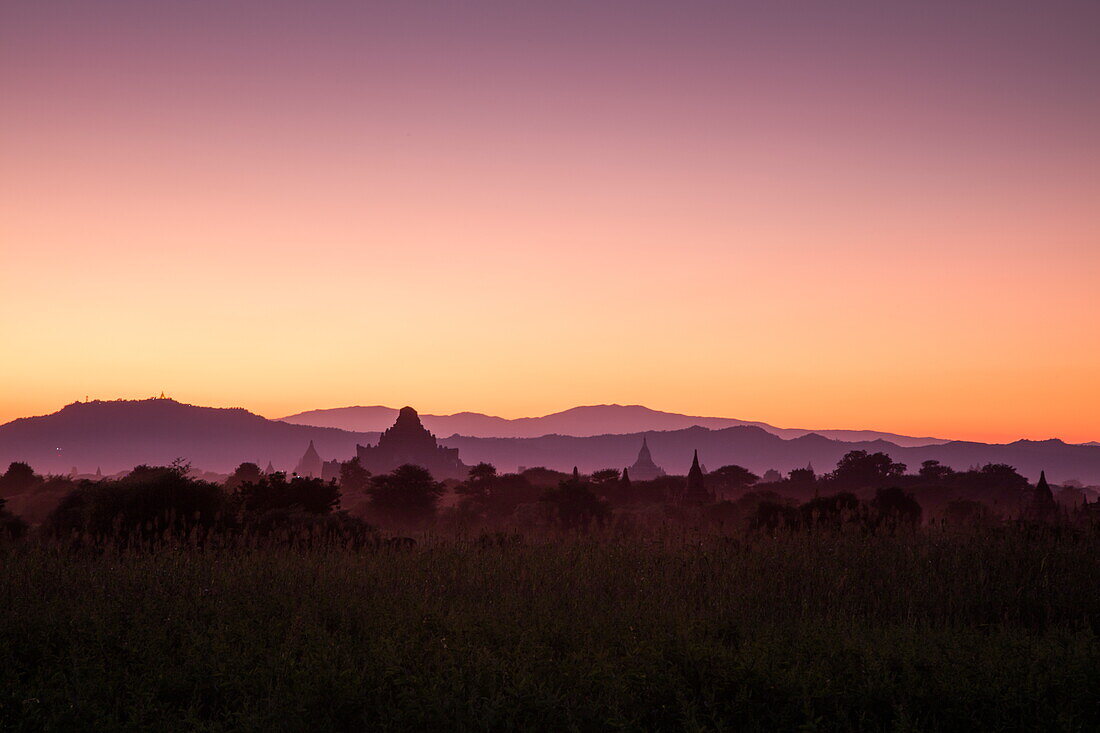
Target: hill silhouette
(578,422)
(115,436)
(758,450)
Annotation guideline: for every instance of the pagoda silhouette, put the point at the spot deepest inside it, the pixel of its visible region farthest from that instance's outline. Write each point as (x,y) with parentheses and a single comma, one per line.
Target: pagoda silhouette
(408,441)
(310,464)
(696,491)
(644,469)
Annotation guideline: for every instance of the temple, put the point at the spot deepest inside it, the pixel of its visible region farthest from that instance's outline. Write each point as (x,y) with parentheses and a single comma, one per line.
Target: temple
(330,471)
(1042,505)
(696,492)
(408,441)
(644,469)
(310,464)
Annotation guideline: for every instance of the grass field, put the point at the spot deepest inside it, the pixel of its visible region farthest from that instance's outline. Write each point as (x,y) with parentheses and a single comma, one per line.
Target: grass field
(993,630)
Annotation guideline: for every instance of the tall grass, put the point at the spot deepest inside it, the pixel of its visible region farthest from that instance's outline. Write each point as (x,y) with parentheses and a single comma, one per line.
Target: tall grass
(927,630)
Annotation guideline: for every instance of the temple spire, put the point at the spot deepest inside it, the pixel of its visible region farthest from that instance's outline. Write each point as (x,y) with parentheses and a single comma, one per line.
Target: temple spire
(644,468)
(696,492)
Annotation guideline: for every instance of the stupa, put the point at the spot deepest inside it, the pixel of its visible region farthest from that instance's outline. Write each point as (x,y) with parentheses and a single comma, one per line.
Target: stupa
(644,469)
(310,464)
(696,492)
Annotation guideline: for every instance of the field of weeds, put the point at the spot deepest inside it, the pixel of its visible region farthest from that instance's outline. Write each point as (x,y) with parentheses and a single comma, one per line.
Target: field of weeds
(926,630)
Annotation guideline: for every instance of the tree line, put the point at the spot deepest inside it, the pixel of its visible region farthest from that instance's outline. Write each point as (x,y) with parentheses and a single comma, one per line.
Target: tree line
(866,489)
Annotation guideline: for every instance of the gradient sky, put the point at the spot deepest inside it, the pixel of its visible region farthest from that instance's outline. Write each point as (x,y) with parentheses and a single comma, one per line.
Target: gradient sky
(847,215)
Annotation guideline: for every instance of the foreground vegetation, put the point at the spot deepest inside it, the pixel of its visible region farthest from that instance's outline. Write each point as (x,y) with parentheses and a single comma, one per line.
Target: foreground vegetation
(919,629)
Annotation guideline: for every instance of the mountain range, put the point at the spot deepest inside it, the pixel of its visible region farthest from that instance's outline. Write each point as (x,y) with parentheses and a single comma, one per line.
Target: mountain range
(579,422)
(115,436)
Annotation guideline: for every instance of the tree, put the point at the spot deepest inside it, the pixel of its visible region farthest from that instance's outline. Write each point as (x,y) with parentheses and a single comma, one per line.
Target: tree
(802,477)
(576,505)
(354,479)
(893,506)
(11,526)
(479,483)
(19,477)
(246,473)
(995,476)
(605,482)
(482,473)
(406,496)
(149,502)
(275,492)
(731,479)
(859,469)
(830,511)
(935,472)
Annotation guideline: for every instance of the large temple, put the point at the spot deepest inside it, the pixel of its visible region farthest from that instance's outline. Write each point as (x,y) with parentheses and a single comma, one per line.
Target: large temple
(408,441)
(644,469)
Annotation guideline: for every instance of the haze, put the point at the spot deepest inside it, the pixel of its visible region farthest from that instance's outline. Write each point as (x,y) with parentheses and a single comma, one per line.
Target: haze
(847,215)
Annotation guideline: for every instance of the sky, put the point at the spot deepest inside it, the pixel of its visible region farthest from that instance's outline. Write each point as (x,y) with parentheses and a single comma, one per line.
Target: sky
(821,215)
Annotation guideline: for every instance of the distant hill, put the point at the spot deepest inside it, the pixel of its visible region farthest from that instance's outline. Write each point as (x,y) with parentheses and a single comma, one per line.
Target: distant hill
(759,450)
(116,436)
(578,421)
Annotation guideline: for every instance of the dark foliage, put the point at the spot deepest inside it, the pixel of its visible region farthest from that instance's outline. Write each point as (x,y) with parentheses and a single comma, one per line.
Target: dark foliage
(19,478)
(893,507)
(830,511)
(246,473)
(148,503)
(354,479)
(275,492)
(295,527)
(11,526)
(576,505)
(406,496)
(729,480)
(859,469)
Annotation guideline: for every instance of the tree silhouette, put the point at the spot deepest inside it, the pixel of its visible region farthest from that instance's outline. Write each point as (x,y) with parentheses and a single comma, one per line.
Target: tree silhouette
(576,505)
(246,473)
(149,502)
(483,473)
(731,479)
(11,526)
(859,469)
(406,496)
(605,482)
(995,476)
(830,511)
(802,477)
(274,492)
(19,477)
(935,472)
(894,507)
(354,479)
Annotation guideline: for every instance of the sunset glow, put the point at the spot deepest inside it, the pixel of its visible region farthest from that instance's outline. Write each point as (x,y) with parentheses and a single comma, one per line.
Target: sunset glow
(870,218)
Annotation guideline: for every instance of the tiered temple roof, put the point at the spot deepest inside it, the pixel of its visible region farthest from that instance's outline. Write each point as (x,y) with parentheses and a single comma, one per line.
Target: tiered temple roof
(408,441)
(644,469)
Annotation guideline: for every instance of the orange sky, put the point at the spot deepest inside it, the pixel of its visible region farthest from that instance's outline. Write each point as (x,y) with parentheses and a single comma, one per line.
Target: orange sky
(891,226)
